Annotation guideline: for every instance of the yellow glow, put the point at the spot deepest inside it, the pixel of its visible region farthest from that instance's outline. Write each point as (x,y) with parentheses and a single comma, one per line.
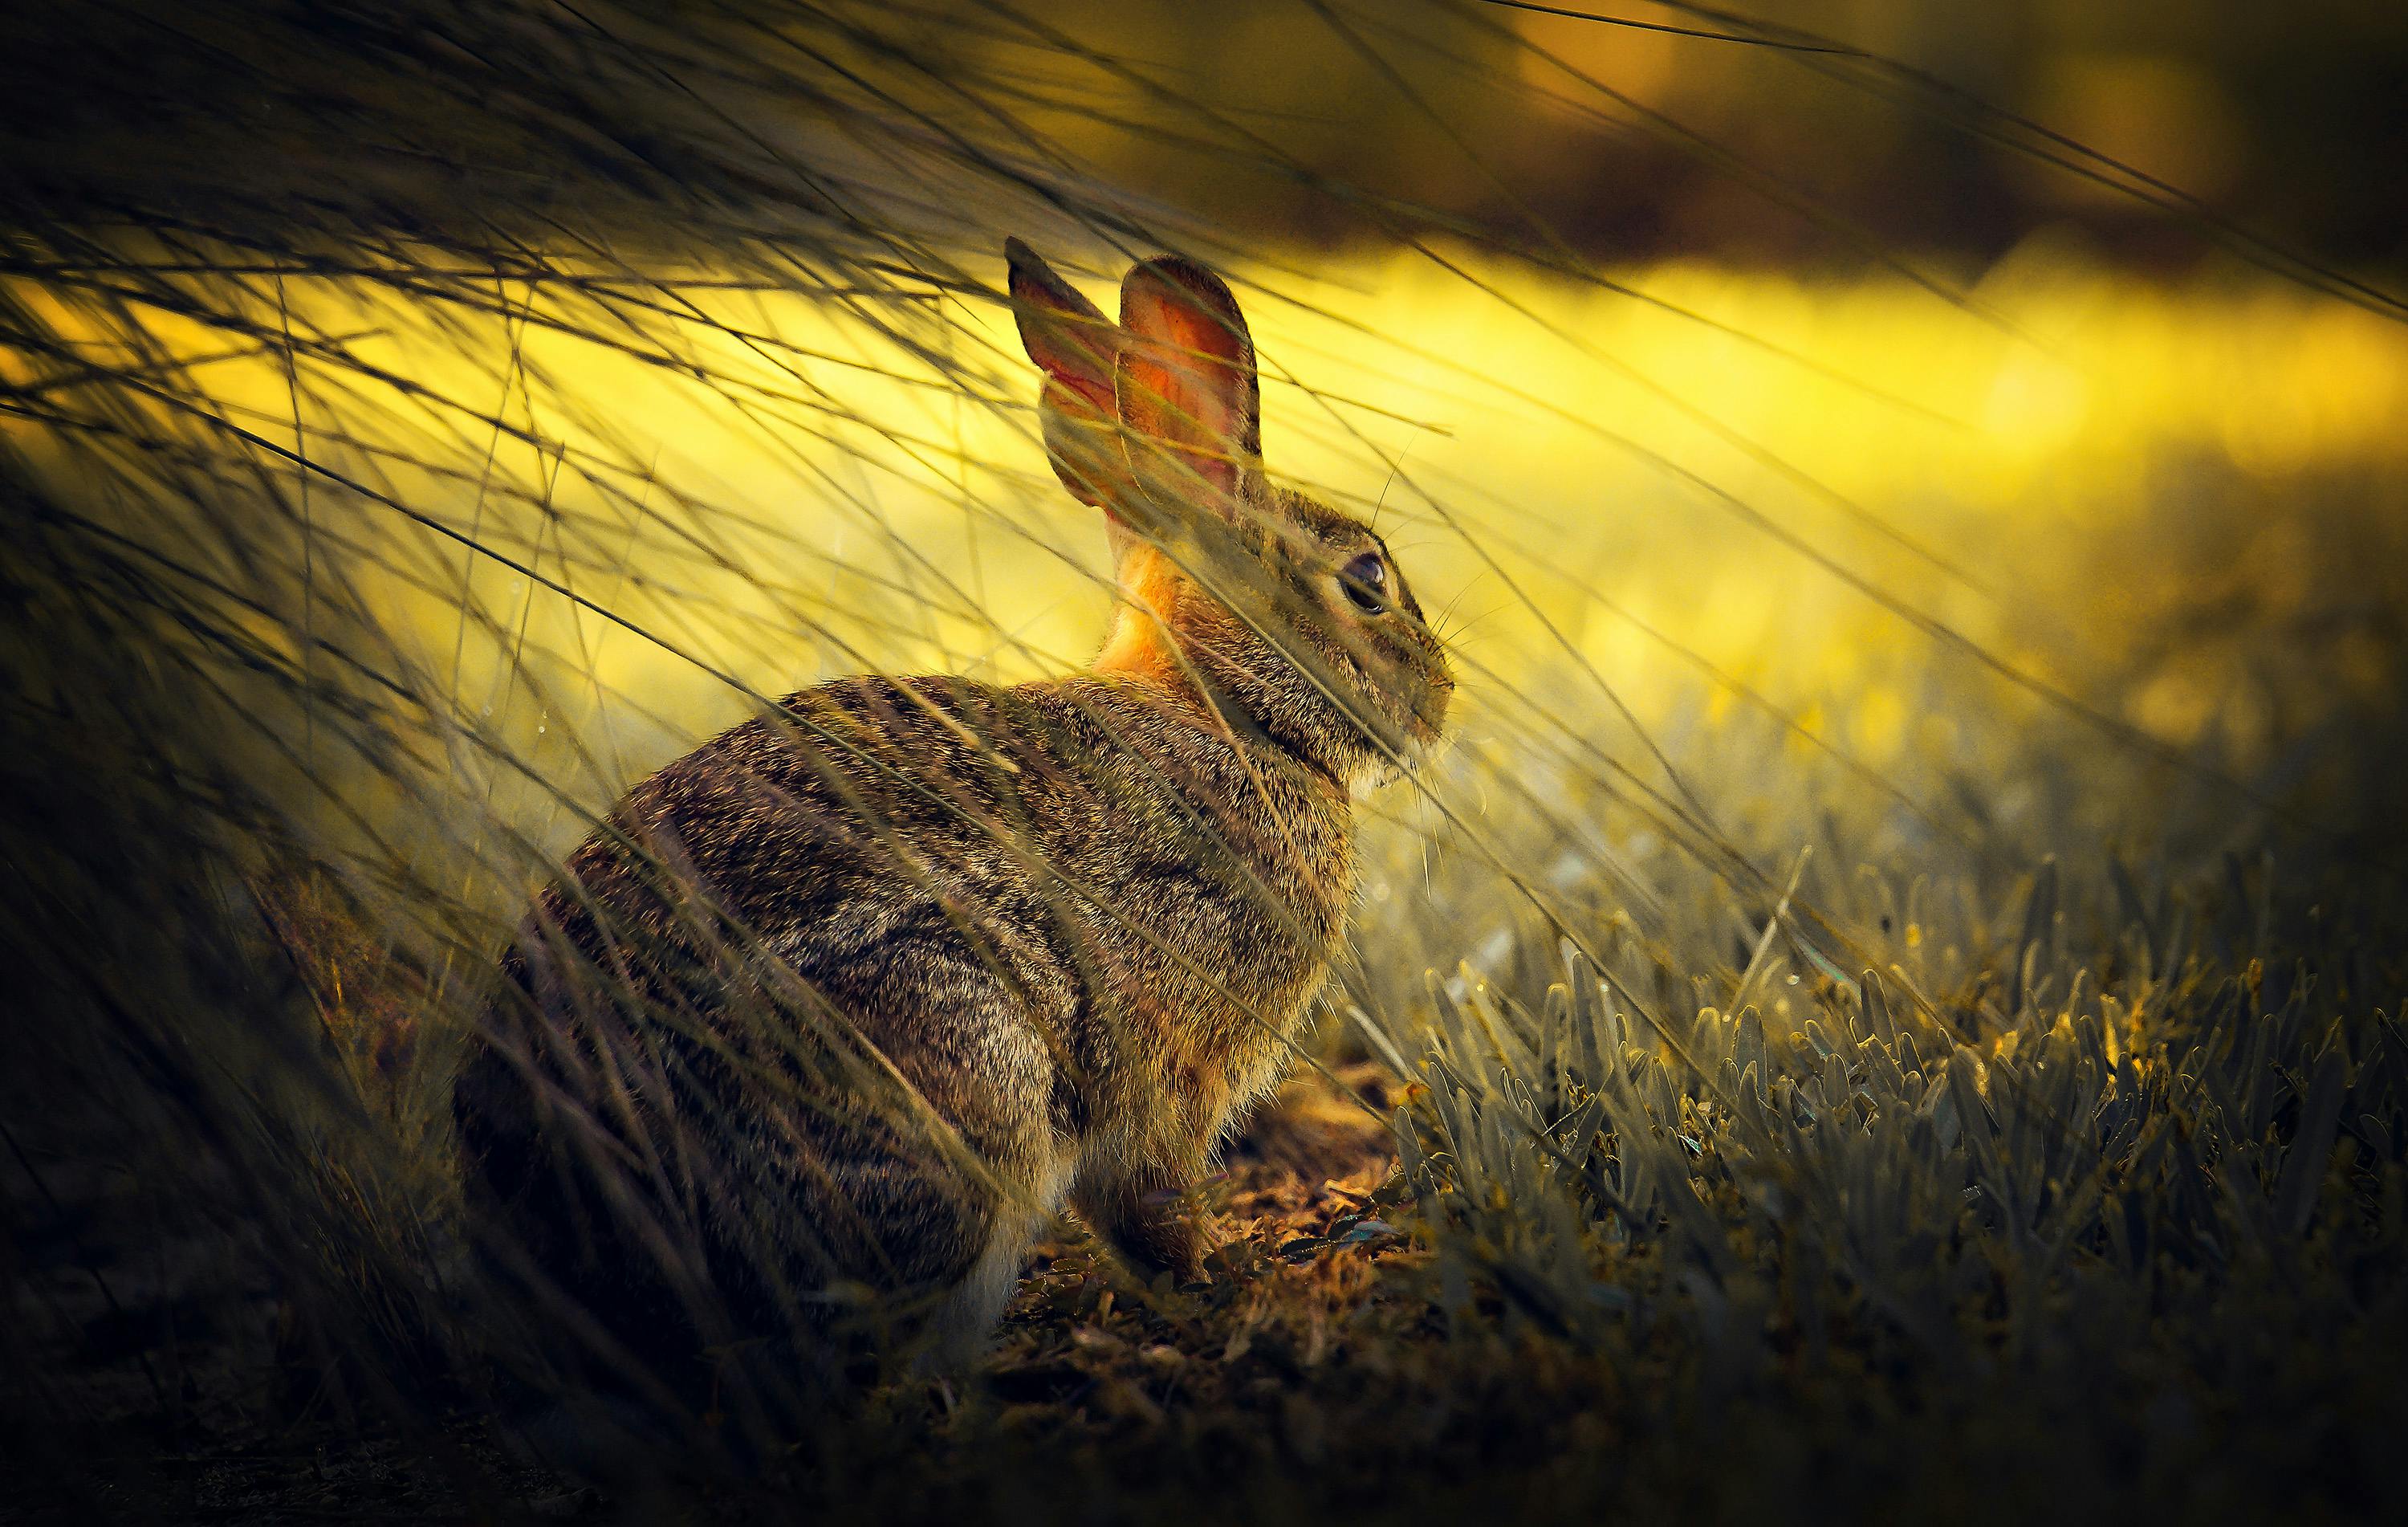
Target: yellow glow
(2024,439)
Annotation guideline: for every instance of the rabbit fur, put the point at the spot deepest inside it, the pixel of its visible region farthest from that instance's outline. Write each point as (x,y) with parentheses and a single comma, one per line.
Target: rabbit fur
(833,1012)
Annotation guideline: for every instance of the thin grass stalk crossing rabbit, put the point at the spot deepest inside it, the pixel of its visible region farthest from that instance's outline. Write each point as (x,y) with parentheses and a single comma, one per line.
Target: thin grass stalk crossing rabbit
(834,1011)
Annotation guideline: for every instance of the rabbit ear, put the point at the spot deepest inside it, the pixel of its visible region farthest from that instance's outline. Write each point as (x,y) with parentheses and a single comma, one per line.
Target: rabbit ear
(1186,375)
(1078,350)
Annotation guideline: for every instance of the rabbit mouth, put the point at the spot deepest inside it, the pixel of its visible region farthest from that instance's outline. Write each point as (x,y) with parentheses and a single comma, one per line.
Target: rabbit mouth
(1426,725)
(1420,737)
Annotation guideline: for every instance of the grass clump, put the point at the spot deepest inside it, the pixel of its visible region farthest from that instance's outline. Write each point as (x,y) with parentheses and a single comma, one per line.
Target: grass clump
(1894,1003)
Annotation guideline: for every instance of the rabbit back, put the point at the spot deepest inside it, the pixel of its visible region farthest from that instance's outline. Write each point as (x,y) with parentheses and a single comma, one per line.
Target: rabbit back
(894,964)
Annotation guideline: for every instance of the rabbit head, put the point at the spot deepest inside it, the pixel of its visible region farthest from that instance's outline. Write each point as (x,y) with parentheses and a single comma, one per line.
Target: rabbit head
(1287,617)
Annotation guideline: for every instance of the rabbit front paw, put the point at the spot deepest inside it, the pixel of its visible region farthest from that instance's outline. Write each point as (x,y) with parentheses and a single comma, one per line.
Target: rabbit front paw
(1152,1228)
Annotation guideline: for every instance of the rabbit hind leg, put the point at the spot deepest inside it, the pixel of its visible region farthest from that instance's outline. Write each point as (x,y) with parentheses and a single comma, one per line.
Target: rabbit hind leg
(964,1319)
(973,1048)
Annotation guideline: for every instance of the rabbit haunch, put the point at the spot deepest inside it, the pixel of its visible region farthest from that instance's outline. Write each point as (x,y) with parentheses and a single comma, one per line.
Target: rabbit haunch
(859,991)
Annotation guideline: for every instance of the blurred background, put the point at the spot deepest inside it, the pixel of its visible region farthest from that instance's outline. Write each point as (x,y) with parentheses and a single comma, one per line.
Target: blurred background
(1794,134)
(2004,342)
(1830,122)
(1940,437)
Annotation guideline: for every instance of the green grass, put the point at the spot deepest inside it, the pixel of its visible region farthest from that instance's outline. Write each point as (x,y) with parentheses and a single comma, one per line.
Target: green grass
(1956,1183)
(1892,1004)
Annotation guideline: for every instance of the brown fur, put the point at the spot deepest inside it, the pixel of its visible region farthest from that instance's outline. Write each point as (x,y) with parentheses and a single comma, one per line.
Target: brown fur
(855,993)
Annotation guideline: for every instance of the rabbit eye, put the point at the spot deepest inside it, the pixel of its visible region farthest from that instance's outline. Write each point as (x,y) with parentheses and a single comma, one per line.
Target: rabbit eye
(1366,581)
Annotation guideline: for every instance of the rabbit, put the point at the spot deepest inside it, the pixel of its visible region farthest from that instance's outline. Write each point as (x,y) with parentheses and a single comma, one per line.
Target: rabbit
(833,1012)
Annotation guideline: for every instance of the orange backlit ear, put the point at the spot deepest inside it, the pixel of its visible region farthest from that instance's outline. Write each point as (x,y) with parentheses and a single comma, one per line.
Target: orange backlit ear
(1079,351)
(1186,379)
